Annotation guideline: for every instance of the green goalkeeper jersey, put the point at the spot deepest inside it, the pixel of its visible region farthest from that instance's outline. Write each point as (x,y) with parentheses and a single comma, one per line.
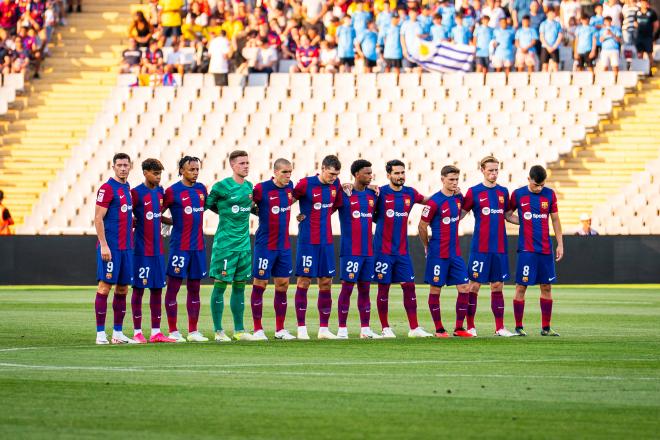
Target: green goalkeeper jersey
(233,203)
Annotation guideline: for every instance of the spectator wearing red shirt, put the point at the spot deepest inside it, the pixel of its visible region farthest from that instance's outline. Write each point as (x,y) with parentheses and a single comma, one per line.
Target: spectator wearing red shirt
(9,15)
(307,57)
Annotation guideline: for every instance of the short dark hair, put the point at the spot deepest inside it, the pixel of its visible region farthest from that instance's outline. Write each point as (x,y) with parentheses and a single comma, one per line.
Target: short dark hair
(538,174)
(608,18)
(152,164)
(236,154)
(331,161)
(437,17)
(185,159)
(120,156)
(281,162)
(358,165)
(449,169)
(393,163)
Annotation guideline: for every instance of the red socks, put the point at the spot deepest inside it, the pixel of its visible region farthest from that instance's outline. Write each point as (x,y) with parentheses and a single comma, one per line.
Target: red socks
(434,308)
(546,312)
(382,301)
(257,302)
(471,309)
(497,307)
(518,311)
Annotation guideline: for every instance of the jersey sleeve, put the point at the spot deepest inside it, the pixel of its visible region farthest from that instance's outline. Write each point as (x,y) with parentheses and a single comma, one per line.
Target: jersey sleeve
(213,198)
(134,198)
(468,200)
(257,193)
(300,189)
(417,197)
(339,201)
(513,202)
(429,211)
(553,203)
(168,200)
(104,196)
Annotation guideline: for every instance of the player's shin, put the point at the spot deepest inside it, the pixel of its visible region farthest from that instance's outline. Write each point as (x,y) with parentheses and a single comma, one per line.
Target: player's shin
(497,307)
(410,304)
(546,313)
(100,309)
(173,286)
(382,304)
(119,310)
(136,309)
(155,300)
(237,305)
(471,309)
(461,309)
(344,302)
(518,312)
(218,304)
(280,309)
(301,305)
(193,304)
(324,304)
(256,303)
(434,308)
(364,303)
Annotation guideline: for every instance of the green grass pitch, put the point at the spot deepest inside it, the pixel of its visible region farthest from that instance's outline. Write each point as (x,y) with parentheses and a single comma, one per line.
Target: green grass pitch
(600,379)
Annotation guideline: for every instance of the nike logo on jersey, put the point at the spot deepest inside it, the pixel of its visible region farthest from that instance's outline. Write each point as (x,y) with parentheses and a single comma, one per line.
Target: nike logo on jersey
(550,279)
(273,198)
(232,198)
(354,203)
(331,271)
(524,204)
(465,280)
(184,198)
(412,278)
(316,195)
(121,196)
(505,275)
(445,210)
(284,303)
(483,200)
(204,274)
(147,203)
(389,201)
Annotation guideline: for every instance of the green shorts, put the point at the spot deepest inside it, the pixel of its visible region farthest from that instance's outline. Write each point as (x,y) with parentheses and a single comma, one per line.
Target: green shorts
(231,266)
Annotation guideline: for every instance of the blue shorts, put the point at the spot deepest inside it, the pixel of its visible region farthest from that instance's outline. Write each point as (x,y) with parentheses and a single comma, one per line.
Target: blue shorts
(315,261)
(267,263)
(149,272)
(445,271)
(394,269)
(187,264)
(534,268)
(119,270)
(356,269)
(488,267)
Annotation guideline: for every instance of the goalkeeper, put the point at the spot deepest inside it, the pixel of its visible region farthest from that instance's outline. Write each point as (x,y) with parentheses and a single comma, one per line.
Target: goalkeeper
(231,257)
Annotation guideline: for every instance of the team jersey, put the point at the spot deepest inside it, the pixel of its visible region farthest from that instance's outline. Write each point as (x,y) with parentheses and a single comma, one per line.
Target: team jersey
(186,204)
(488,206)
(117,223)
(356,220)
(274,204)
(443,213)
(147,205)
(317,203)
(391,217)
(534,211)
(233,203)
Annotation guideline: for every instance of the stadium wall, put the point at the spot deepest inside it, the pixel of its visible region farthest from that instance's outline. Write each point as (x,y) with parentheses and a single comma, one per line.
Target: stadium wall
(71,260)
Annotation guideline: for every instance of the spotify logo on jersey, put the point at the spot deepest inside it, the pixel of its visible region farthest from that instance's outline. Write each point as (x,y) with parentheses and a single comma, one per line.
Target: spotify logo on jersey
(235,209)
(275,209)
(188,209)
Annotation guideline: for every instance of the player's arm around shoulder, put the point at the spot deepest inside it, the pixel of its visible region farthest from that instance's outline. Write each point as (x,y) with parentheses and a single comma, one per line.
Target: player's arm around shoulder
(103,199)
(218,192)
(556,226)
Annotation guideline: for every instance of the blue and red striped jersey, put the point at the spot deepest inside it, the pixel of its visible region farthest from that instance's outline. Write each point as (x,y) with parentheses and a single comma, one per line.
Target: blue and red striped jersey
(118,221)
(488,206)
(274,205)
(534,212)
(186,204)
(443,213)
(356,220)
(147,205)
(317,203)
(391,217)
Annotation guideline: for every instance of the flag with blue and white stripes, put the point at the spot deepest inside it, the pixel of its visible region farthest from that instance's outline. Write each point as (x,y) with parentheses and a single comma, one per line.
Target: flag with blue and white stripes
(444,56)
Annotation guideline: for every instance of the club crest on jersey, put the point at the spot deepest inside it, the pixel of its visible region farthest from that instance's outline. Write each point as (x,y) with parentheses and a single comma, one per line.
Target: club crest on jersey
(406,201)
(250,196)
(371,203)
(201,198)
(289,195)
(475,274)
(333,192)
(458,204)
(501,199)
(544,205)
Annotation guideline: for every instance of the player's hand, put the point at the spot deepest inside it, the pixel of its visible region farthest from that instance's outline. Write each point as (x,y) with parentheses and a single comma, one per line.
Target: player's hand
(592,55)
(559,252)
(106,255)
(458,190)
(165,230)
(348,188)
(375,188)
(300,217)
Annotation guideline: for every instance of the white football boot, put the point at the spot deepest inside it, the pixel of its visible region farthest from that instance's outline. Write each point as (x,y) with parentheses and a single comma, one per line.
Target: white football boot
(342,333)
(473,332)
(259,335)
(324,333)
(504,333)
(101,338)
(177,336)
(197,337)
(388,333)
(419,333)
(302,333)
(220,336)
(284,335)
(121,338)
(366,333)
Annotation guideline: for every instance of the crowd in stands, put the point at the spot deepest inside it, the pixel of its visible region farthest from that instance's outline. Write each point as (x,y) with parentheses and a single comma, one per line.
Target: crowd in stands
(222,36)
(26,28)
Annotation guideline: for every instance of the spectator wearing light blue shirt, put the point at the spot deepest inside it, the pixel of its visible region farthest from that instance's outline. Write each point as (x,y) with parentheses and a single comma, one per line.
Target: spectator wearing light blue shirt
(610,43)
(483,36)
(597,21)
(526,39)
(461,34)
(346,45)
(392,50)
(551,37)
(366,47)
(360,19)
(411,33)
(504,37)
(438,31)
(584,47)
(426,20)
(519,8)
(448,13)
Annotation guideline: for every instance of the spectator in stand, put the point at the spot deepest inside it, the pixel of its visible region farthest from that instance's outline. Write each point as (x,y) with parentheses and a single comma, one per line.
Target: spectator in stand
(312,12)
(568,9)
(613,9)
(504,38)
(195,23)
(384,17)
(75,4)
(411,32)
(32,44)
(346,36)
(131,58)
(329,60)
(461,34)
(493,9)
(519,9)
(176,58)
(392,50)
(585,45)
(360,17)
(610,40)
(526,38)
(596,21)
(201,59)
(536,17)
(307,57)
(140,30)
(551,37)
(152,61)
(9,15)
(646,22)
(629,12)
(220,52)
(426,19)
(6,222)
(585,226)
(483,36)
(367,48)
(469,15)
(448,13)
(438,31)
(170,17)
